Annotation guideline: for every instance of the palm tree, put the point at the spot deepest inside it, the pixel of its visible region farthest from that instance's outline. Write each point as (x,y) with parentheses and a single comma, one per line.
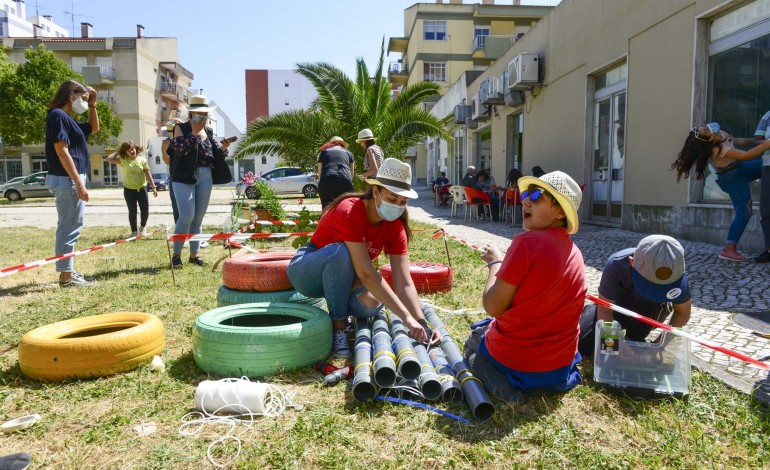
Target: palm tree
(343,108)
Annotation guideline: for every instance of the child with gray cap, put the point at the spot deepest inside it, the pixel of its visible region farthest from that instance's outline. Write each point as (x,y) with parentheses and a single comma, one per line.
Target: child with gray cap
(650,280)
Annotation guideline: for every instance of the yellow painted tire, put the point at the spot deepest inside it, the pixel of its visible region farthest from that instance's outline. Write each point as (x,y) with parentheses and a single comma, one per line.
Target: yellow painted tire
(88,347)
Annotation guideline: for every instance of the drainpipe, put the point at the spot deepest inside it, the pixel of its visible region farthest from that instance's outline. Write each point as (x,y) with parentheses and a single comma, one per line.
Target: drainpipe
(384,363)
(363,388)
(407,364)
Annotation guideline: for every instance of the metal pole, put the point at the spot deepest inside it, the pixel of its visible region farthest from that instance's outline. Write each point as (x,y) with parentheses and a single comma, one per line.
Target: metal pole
(473,390)
(384,363)
(363,388)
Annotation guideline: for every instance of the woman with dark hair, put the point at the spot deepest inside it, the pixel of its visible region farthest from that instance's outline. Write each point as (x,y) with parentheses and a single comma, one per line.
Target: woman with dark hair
(337,264)
(336,167)
(735,169)
(513,178)
(537,172)
(66,152)
(373,155)
(135,172)
(484,182)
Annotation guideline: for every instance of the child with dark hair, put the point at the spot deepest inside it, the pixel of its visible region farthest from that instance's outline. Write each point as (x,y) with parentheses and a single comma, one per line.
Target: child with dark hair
(136,171)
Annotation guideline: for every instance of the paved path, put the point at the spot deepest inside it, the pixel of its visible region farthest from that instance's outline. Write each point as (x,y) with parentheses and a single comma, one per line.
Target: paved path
(719,288)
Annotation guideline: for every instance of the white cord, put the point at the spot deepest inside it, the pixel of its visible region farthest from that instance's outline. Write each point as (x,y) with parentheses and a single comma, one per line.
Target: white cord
(274,405)
(452,313)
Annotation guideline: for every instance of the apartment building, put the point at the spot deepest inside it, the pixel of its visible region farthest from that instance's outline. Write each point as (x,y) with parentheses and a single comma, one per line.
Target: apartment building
(443,41)
(140,77)
(270,92)
(15,23)
(611,99)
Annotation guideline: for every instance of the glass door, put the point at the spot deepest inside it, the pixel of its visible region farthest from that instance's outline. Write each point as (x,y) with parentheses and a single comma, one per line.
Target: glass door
(110,174)
(609,157)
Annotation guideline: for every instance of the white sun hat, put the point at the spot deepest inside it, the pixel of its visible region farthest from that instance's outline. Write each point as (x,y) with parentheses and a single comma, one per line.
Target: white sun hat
(564,189)
(365,134)
(395,176)
(200,104)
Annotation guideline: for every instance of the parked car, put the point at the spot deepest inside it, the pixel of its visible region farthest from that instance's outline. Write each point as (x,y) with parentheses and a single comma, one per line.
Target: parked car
(161,181)
(25,186)
(284,180)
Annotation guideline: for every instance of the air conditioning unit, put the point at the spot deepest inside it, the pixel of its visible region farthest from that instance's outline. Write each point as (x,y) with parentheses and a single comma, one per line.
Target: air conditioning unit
(462,112)
(479,111)
(524,71)
(513,97)
(496,88)
(484,91)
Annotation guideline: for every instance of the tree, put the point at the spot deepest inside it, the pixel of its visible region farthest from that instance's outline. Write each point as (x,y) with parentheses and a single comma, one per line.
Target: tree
(25,91)
(343,108)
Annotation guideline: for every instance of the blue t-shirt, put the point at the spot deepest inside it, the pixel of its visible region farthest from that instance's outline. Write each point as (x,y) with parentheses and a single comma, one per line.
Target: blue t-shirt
(61,127)
(617,285)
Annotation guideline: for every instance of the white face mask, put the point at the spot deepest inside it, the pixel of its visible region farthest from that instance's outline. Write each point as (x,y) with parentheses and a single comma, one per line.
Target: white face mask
(79,105)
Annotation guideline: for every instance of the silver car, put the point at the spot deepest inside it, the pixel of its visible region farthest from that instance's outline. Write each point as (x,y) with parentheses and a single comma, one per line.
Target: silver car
(284,180)
(25,186)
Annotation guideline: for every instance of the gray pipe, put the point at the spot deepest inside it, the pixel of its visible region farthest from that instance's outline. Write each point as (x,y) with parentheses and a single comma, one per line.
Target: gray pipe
(406,359)
(384,363)
(430,384)
(473,390)
(450,387)
(363,388)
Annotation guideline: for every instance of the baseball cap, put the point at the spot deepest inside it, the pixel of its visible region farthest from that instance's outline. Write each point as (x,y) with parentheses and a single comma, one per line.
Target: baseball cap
(659,270)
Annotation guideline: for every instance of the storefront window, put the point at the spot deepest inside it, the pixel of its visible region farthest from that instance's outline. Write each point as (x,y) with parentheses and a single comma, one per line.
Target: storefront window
(739,73)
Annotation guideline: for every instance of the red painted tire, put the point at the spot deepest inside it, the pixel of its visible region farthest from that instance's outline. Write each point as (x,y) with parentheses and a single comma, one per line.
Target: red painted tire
(260,272)
(428,278)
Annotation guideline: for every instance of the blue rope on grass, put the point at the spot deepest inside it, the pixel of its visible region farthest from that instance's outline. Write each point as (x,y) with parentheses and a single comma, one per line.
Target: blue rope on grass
(423,406)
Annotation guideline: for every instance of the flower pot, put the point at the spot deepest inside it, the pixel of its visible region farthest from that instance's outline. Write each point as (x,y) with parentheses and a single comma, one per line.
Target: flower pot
(262,214)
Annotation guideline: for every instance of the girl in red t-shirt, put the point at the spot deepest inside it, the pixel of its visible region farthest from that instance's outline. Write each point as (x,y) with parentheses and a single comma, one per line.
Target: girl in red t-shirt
(337,263)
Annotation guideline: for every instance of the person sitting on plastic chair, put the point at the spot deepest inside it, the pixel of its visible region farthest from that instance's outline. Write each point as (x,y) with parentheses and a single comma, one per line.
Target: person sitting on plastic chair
(441,189)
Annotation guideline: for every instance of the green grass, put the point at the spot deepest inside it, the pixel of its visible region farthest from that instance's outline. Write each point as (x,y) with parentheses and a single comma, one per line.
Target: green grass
(88,424)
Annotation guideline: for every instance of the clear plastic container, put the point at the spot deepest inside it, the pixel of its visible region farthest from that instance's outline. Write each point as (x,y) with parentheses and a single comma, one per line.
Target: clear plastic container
(641,369)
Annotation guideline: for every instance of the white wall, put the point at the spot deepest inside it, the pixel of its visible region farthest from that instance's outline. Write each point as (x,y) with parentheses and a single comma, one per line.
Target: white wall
(299,92)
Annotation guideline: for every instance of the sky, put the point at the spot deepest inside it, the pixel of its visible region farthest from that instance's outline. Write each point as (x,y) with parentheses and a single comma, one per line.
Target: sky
(218,40)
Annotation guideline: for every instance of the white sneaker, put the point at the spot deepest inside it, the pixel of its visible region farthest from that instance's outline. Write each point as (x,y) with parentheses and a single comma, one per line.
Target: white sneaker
(143,231)
(340,346)
(204,244)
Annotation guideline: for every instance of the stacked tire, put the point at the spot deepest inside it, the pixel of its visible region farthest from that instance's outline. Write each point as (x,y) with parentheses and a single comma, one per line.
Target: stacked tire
(428,278)
(262,326)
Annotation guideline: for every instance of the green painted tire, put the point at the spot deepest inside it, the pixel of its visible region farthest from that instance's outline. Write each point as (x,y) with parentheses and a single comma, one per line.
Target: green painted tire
(259,339)
(227,297)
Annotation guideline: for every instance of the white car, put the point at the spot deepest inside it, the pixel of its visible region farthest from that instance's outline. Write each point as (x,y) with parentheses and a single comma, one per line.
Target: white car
(25,186)
(284,180)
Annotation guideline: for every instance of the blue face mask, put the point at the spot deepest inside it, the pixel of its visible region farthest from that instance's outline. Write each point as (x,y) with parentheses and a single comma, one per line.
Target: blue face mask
(388,211)
(196,118)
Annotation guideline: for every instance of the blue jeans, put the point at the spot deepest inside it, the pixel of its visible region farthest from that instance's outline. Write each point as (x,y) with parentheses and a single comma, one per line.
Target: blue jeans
(736,184)
(70,210)
(192,201)
(328,272)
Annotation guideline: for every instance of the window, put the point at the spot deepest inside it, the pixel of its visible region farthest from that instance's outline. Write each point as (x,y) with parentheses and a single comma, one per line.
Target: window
(434,71)
(434,30)
(157,160)
(479,37)
(737,76)
(286,102)
(264,160)
(286,84)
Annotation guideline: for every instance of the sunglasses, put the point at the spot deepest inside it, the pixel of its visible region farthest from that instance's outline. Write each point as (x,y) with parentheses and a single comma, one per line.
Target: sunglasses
(533,195)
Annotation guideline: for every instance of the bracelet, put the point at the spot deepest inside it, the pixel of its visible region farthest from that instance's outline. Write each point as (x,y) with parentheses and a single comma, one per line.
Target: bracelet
(492,263)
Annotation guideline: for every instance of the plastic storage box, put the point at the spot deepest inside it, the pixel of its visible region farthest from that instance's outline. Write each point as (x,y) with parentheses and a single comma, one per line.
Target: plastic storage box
(641,369)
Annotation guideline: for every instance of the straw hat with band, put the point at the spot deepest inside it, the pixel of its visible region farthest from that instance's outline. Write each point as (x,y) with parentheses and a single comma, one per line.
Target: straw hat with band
(200,104)
(339,139)
(365,134)
(395,176)
(659,270)
(562,188)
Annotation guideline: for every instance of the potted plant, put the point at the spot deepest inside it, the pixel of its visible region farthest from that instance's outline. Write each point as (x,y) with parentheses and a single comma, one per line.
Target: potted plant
(267,206)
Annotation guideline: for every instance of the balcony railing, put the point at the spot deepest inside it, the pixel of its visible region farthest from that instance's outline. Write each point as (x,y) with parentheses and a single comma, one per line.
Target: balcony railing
(479,42)
(175,91)
(398,68)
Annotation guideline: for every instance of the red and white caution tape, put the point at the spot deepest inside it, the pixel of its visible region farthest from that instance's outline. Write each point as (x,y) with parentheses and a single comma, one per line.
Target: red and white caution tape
(253,225)
(677,332)
(34,264)
(200,237)
(443,232)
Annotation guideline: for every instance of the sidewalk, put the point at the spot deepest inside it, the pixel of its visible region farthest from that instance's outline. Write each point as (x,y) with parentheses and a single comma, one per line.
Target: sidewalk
(719,288)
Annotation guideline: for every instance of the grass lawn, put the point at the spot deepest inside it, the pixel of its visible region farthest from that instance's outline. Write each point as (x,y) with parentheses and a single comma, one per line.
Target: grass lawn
(88,424)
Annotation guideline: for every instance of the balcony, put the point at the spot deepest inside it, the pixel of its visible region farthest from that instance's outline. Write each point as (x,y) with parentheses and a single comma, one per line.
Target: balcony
(398,73)
(174,92)
(398,45)
(106,97)
(170,114)
(97,74)
(491,47)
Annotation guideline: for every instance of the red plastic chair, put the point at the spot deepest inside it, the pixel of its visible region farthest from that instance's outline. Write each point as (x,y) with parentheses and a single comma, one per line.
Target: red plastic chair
(511,201)
(476,198)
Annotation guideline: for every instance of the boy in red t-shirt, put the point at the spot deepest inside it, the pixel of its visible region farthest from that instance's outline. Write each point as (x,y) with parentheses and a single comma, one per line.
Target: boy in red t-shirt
(535,296)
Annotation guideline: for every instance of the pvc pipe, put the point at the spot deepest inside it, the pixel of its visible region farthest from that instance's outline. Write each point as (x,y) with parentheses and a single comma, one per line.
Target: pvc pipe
(384,362)
(473,390)
(429,382)
(363,388)
(450,387)
(407,364)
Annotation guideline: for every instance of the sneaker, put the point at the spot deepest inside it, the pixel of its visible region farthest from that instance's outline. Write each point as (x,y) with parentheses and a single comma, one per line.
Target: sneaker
(16,461)
(176,262)
(204,244)
(763,258)
(197,260)
(143,231)
(76,280)
(133,234)
(732,255)
(340,346)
